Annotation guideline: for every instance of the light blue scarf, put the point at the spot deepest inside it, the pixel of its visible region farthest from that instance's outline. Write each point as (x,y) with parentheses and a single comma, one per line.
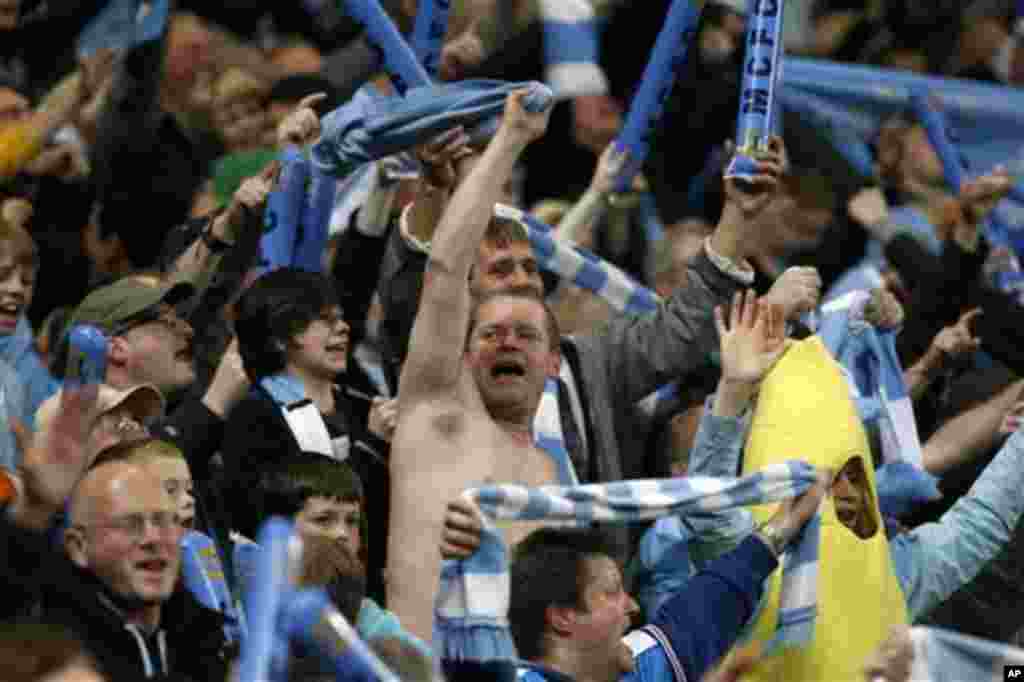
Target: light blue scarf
(17,350)
(876,378)
(472,604)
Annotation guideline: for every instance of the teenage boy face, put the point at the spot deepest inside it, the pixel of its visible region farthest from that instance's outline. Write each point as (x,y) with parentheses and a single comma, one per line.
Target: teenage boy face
(331,518)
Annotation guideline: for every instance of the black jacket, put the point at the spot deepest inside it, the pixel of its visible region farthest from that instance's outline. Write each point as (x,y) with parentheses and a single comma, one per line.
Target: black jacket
(257,440)
(189,645)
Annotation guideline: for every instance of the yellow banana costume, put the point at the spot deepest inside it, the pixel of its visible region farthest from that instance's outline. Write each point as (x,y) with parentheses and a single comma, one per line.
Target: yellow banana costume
(804,411)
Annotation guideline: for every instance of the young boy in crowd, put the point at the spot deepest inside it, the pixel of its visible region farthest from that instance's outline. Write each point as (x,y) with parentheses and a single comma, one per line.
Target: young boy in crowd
(325,499)
(166,462)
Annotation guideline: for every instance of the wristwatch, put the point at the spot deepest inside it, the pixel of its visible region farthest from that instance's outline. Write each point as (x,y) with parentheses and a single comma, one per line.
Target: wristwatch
(772,536)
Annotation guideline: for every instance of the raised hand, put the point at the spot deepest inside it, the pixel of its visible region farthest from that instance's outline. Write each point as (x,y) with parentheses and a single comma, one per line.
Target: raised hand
(438,157)
(383,418)
(230,382)
(869,208)
(461,55)
(521,125)
(51,467)
(795,291)
(251,196)
(753,197)
(302,126)
(253,191)
(979,196)
(884,311)
(609,164)
(795,513)
(958,339)
(753,341)
(460,535)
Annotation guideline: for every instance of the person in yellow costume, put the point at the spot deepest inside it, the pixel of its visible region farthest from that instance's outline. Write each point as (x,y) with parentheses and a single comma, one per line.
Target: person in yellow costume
(801,409)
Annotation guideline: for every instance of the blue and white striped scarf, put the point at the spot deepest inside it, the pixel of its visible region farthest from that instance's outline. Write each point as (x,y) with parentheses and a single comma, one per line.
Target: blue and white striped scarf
(947,656)
(548,436)
(303,417)
(876,381)
(581,267)
(472,604)
(572,48)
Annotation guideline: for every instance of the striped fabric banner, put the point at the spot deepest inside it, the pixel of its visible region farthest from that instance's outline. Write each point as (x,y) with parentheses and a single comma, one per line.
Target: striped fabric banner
(472,603)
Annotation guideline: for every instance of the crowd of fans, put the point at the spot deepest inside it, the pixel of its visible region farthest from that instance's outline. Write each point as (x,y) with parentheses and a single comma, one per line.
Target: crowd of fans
(430,351)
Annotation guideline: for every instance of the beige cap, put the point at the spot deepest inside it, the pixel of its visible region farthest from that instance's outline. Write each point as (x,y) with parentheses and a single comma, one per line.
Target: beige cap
(143,401)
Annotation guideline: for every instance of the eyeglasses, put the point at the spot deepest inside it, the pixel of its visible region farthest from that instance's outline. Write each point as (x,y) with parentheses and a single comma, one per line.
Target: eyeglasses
(133,526)
(121,423)
(162,314)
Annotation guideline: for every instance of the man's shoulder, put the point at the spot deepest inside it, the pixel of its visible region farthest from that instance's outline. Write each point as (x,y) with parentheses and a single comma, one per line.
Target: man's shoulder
(653,657)
(639,642)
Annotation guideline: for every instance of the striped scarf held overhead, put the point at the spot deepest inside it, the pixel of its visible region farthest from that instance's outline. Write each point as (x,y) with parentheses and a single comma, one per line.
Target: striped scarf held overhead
(873,370)
(472,603)
(572,48)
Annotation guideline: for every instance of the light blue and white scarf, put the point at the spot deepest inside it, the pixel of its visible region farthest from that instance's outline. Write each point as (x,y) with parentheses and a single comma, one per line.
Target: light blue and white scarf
(582,268)
(572,48)
(472,604)
(947,656)
(872,366)
(303,417)
(36,382)
(548,436)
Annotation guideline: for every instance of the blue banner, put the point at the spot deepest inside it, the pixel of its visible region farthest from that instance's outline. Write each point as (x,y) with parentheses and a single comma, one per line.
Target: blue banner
(762,63)
(988,120)
(429,31)
(667,59)
(399,60)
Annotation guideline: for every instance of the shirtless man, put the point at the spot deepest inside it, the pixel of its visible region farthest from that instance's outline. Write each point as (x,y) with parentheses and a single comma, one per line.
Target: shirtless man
(467,400)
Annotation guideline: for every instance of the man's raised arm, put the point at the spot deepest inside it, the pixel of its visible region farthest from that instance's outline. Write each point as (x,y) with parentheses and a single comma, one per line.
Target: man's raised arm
(438,335)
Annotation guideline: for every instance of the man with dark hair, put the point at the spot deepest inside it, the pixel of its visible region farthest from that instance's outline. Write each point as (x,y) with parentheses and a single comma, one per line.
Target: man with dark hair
(325,497)
(569,611)
(149,342)
(325,500)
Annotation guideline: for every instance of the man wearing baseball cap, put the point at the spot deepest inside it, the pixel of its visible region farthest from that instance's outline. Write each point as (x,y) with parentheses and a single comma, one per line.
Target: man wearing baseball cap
(148,342)
(118,415)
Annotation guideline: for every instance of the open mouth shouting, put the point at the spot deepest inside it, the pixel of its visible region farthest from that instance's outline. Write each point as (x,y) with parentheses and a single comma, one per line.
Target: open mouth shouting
(507,370)
(10,312)
(154,572)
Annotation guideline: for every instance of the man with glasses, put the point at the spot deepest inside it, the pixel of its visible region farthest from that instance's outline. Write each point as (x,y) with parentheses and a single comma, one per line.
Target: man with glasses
(150,343)
(115,585)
